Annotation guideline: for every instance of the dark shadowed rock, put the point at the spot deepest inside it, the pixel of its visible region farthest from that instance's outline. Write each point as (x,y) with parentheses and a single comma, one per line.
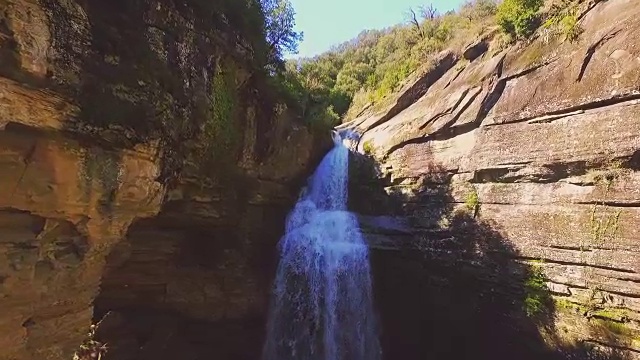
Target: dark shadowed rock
(475,49)
(110,191)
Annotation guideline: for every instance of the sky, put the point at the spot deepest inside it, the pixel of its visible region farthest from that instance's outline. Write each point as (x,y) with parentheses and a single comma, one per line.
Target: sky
(330,22)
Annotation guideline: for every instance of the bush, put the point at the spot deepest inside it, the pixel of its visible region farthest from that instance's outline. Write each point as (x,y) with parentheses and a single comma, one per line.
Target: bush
(564,21)
(322,119)
(570,27)
(519,18)
(537,295)
(478,10)
(472,202)
(220,132)
(368,148)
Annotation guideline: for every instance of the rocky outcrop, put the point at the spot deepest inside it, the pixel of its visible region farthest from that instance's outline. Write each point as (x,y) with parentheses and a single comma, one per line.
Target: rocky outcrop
(63,206)
(540,144)
(194,280)
(140,168)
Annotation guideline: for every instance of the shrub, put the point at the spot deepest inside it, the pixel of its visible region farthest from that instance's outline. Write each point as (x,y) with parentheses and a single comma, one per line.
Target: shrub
(368,147)
(322,119)
(563,20)
(570,27)
(519,17)
(537,296)
(472,202)
(220,132)
(478,10)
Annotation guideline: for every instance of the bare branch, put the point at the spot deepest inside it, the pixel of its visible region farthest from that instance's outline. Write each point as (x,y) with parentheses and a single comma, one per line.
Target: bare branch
(429,12)
(413,19)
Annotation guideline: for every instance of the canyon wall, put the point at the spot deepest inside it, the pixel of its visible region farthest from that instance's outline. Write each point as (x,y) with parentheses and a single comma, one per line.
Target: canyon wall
(117,187)
(500,168)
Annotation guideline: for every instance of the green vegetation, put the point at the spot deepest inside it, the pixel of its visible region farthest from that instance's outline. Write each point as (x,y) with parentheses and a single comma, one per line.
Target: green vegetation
(220,133)
(537,295)
(471,201)
(603,223)
(372,66)
(564,304)
(614,314)
(519,18)
(532,55)
(563,20)
(265,26)
(368,147)
(615,327)
(279,24)
(604,227)
(590,309)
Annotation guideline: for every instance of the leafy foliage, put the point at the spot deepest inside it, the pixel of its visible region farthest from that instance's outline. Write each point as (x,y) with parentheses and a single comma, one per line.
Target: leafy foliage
(370,67)
(279,27)
(519,18)
(537,295)
(563,20)
(478,10)
(220,131)
(368,147)
(471,201)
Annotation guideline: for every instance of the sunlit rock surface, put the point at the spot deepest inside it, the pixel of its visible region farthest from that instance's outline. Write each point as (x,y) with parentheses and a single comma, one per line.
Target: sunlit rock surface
(540,143)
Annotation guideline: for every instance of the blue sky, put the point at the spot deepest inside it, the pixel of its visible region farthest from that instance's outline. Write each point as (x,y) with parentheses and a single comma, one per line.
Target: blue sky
(330,22)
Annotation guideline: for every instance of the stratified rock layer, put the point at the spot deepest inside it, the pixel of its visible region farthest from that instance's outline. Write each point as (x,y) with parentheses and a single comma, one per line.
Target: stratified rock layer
(115,191)
(542,142)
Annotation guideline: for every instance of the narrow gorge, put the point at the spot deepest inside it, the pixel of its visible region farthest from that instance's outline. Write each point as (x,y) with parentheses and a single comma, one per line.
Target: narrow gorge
(150,154)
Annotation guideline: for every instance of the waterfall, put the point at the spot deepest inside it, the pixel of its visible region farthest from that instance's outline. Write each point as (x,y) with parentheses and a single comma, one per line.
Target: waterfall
(321,306)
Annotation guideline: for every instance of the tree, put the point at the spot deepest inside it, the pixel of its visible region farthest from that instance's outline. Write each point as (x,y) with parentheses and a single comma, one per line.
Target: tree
(412,18)
(477,10)
(279,29)
(519,17)
(429,12)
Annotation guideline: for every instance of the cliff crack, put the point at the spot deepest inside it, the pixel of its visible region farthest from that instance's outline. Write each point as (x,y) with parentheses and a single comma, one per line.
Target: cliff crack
(550,116)
(572,263)
(613,346)
(449,130)
(612,203)
(592,50)
(487,104)
(455,77)
(448,111)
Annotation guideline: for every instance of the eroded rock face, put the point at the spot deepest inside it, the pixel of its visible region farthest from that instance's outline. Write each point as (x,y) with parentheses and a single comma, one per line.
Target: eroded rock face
(63,207)
(109,194)
(542,143)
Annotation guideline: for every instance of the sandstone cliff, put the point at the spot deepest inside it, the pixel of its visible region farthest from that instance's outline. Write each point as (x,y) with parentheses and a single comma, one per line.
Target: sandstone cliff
(496,163)
(140,169)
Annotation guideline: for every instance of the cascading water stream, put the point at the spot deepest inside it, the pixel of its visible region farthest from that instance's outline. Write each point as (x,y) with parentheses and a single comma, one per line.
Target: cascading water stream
(321,306)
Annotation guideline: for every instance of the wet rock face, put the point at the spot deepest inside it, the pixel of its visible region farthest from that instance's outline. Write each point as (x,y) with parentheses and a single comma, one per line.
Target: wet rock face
(102,106)
(540,144)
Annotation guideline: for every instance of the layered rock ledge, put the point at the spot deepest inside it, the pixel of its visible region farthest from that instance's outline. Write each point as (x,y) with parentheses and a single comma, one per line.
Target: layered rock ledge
(538,142)
(110,196)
